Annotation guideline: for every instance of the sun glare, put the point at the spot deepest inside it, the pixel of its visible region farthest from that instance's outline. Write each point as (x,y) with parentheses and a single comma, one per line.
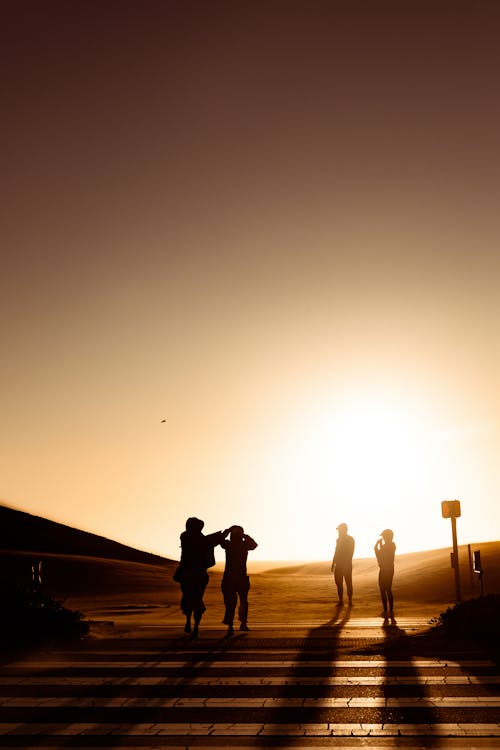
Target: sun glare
(361,461)
(375,449)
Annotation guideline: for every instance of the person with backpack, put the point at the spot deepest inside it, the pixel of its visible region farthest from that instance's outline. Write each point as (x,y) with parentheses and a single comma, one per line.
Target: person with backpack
(197,556)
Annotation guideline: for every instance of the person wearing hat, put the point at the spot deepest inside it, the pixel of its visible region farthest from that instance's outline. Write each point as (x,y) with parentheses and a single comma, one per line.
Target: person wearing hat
(197,555)
(235,581)
(385,551)
(342,563)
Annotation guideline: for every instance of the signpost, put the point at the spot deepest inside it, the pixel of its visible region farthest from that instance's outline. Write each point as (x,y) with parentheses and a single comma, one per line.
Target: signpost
(451,509)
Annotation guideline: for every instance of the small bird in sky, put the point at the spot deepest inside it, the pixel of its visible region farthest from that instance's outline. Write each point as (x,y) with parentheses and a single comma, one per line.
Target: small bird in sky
(163,420)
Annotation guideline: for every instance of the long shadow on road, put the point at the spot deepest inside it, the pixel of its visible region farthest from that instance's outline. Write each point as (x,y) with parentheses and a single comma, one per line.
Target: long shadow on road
(315,658)
(400,687)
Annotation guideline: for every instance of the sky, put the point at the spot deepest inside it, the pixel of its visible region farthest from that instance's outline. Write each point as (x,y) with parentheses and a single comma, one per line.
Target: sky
(250,269)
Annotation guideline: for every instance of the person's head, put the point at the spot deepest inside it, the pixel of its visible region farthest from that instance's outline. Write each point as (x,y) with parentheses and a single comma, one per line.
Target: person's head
(342,529)
(194,525)
(236,533)
(387,535)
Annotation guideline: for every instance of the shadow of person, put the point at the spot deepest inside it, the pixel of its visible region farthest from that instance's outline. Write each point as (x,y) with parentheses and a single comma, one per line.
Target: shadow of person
(339,619)
(307,684)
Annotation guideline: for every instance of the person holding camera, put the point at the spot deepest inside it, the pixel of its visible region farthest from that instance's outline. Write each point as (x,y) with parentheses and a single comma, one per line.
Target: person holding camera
(235,581)
(385,551)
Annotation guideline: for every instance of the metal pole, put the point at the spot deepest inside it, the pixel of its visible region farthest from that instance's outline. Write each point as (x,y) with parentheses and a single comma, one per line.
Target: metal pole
(455,556)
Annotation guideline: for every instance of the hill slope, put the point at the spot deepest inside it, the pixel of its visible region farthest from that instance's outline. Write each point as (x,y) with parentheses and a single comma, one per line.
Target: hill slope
(24,532)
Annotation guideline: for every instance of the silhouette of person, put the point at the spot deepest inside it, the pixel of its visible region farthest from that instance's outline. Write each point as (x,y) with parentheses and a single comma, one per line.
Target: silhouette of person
(197,554)
(385,550)
(235,581)
(342,562)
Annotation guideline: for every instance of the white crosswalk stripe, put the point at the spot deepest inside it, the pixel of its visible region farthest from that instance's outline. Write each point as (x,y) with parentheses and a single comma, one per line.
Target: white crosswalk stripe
(163,693)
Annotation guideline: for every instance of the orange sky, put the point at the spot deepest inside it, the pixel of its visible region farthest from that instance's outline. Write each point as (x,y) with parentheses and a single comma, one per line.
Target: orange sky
(274,225)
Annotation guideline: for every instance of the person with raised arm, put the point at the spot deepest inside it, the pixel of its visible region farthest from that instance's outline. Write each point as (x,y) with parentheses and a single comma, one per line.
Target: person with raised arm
(385,551)
(197,555)
(235,581)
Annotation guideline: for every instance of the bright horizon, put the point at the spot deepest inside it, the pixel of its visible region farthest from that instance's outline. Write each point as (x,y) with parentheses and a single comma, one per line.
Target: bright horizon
(251,272)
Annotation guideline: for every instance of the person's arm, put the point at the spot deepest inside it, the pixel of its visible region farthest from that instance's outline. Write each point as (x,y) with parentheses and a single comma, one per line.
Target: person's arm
(216,538)
(223,541)
(249,542)
(334,561)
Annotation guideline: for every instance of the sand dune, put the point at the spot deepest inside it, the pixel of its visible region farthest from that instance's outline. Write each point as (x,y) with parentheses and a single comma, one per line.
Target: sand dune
(22,531)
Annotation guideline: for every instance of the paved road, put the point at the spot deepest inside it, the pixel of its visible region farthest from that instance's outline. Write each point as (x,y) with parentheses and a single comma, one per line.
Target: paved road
(294,687)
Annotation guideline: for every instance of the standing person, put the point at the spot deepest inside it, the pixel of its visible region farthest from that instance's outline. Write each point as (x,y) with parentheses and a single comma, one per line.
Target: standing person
(235,581)
(342,562)
(385,550)
(197,554)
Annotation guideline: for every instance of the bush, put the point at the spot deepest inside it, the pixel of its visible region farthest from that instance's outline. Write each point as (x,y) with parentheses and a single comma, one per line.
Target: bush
(28,617)
(476,619)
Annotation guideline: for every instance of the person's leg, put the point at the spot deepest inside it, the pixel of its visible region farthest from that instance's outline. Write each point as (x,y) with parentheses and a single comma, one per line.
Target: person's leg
(385,583)
(229,593)
(348,584)
(383,596)
(339,580)
(197,619)
(243,590)
(389,594)
(186,607)
(199,605)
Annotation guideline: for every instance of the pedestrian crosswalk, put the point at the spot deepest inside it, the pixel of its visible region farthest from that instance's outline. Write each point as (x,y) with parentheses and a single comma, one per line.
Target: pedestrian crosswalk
(259,689)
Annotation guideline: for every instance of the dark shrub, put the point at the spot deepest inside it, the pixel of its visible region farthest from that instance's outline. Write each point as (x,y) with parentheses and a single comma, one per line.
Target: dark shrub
(477,619)
(30,617)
